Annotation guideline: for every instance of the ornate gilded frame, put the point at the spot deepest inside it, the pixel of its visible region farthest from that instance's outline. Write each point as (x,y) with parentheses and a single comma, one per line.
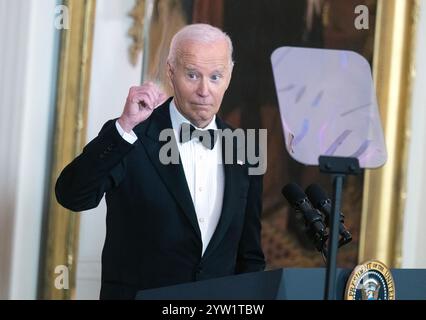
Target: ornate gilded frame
(62,226)
(385,188)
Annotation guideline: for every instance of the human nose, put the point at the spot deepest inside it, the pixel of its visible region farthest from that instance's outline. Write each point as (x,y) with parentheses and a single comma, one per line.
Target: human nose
(203,88)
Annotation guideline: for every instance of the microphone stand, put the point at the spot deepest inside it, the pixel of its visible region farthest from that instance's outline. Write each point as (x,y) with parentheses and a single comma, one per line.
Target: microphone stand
(321,244)
(338,167)
(324,254)
(319,240)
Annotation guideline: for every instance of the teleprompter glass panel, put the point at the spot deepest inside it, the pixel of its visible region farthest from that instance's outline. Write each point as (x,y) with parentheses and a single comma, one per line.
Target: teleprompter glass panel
(328,105)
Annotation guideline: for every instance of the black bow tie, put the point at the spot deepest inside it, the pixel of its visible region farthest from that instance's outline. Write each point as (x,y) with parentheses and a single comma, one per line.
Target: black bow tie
(208,137)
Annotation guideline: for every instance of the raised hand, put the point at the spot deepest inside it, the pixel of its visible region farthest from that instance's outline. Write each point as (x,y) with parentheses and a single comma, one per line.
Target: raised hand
(140,103)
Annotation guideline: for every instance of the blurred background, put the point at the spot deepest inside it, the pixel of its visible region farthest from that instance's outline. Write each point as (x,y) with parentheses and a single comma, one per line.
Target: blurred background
(66,68)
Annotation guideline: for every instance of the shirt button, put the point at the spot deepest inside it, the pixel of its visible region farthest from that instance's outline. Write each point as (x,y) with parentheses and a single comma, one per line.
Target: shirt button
(200,189)
(201,220)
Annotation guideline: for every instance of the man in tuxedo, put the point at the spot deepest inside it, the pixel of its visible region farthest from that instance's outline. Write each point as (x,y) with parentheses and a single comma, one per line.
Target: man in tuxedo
(170,223)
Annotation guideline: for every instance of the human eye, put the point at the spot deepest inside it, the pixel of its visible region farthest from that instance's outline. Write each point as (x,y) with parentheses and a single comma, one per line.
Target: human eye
(192,75)
(216,77)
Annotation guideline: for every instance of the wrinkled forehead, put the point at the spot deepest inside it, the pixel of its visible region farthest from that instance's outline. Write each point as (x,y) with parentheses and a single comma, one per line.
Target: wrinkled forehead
(192,54)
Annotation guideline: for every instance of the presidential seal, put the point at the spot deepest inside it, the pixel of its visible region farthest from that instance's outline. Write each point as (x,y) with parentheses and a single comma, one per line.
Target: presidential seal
(371,280)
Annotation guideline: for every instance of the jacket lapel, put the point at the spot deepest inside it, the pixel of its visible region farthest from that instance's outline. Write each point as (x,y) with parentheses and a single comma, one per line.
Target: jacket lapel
(172,175)
(234,183)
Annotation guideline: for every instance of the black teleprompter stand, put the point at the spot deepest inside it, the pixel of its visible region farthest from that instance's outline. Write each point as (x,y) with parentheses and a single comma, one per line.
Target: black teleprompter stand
(338,167)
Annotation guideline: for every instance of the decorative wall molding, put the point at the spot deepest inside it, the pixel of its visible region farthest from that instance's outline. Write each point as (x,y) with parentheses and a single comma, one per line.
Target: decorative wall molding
(136,31)
(61,245)
(385,188)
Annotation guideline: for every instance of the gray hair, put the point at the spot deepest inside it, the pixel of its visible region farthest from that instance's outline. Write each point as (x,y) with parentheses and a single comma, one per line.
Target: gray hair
(199,32)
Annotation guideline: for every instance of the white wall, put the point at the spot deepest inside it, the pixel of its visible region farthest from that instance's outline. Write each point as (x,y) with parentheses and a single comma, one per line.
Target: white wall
(27,73)
(112,76)
(414,232)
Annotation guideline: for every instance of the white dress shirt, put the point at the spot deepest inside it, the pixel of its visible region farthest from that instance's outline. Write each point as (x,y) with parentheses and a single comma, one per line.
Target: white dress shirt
(203,171)
(129,137)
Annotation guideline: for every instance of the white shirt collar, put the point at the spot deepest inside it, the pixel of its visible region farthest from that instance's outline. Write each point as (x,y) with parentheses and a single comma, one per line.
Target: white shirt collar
(178,118)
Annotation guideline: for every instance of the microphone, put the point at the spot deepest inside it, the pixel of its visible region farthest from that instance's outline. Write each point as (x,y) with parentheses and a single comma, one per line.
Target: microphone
(313,218)
(322,202)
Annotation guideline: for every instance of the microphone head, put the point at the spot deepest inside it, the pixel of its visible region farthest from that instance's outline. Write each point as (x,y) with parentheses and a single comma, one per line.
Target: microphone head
(293,193)
(316,195)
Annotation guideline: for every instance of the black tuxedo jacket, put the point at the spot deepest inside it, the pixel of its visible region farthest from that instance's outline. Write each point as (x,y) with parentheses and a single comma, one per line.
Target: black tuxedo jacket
(152,237)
